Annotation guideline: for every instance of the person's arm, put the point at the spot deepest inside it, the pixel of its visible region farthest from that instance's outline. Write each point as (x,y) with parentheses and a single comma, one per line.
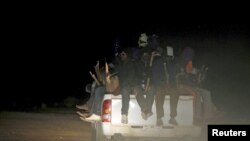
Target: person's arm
(149,74)
(166,73)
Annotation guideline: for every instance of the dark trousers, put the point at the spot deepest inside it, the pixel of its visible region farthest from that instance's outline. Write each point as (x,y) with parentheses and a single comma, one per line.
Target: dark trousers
(160,93)
(145,102)
(197,103)
(125,92)
(96,100)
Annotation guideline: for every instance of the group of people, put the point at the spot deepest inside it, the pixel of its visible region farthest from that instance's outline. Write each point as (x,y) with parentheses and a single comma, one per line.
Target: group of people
(149,71)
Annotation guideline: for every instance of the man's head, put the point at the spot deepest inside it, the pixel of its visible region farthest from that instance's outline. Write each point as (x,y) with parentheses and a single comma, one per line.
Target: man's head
(125,54)
(143,40)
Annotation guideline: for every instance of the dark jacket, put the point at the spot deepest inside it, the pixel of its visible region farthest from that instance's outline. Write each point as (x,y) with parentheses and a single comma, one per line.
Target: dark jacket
(126,74)
(158,76)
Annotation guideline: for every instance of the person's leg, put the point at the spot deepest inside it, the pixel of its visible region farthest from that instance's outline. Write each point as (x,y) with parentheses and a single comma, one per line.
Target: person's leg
(198,109)
(90,101)
(125,100)
(88,105)
(197,103)
(95,111)
(159,101)
(96,106)
(125,91)
(208,105)
(174,97)
(149,101)
(141,101)
(140,98)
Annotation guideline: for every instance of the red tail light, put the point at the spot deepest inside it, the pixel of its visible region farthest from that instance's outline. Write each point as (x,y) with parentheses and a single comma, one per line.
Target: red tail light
(106,110)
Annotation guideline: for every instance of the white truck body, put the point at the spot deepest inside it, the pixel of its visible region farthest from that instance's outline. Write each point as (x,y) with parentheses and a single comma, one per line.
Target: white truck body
(138,127)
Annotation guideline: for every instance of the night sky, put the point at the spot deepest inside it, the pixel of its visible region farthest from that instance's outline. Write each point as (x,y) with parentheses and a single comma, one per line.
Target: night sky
(50,58)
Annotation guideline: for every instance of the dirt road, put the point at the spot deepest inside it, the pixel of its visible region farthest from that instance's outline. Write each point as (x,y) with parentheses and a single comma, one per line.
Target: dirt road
(55,126)
(21,126)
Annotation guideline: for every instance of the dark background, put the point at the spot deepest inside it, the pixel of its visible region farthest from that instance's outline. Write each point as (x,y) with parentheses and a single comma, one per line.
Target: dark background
(47,58)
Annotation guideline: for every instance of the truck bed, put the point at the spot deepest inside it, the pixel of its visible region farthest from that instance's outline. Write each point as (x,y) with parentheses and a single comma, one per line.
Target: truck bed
(138,127)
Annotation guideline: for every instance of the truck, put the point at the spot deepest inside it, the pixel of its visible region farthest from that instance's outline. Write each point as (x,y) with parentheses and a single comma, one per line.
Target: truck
(110,127)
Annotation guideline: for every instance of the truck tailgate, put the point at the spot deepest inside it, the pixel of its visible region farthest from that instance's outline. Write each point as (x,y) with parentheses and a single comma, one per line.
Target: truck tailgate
(184,112)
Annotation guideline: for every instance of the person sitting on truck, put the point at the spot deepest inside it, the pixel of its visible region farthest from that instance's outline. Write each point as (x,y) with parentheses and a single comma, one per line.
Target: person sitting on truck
(205,109)
(186,82)
(92,107)
(141,61)
(160,76)
(210,111)
(126,75)
(186,86)
(110,84)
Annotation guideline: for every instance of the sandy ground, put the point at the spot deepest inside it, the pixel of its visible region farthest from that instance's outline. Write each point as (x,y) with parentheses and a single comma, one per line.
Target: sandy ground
(61,126)
(21,126)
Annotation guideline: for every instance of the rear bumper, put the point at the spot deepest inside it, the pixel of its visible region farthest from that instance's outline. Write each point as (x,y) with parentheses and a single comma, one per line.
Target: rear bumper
(150,131)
